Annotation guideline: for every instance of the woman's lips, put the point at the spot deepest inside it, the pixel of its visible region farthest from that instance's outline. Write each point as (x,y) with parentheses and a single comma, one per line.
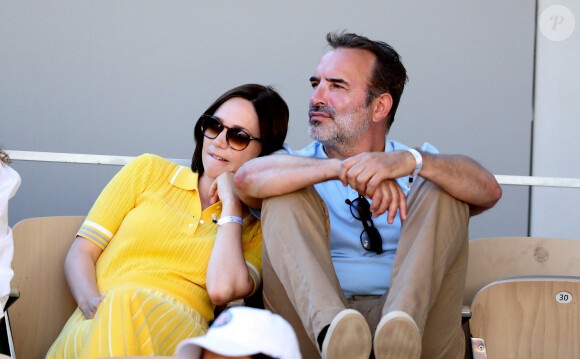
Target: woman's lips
(217,157)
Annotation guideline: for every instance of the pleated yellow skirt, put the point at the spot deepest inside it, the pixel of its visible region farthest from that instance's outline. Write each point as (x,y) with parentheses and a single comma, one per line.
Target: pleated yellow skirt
(129,321)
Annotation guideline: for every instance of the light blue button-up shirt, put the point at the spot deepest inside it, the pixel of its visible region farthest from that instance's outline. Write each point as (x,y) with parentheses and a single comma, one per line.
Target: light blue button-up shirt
(360,272)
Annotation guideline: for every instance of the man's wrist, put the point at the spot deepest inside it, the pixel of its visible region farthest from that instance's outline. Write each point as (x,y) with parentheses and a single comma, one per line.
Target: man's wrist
(333,169)
(418,163)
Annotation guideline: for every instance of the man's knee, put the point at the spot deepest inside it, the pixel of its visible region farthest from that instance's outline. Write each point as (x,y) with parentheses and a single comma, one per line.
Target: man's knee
(297,206)
(428,194)
(294,200)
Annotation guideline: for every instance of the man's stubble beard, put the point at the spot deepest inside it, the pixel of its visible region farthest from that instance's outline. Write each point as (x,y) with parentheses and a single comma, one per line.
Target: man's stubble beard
(343,130)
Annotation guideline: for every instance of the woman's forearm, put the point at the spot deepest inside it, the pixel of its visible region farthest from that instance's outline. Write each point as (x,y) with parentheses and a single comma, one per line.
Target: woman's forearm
(227,274)
(81,277)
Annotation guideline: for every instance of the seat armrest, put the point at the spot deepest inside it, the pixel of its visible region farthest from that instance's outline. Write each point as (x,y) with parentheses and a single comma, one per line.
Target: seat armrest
(466,312)
(12,297)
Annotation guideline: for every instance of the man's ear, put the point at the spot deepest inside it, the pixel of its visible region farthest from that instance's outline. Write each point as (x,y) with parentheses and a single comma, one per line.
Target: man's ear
(382,106)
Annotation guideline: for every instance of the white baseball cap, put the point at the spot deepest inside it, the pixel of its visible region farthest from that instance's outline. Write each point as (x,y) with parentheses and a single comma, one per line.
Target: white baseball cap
(241,331)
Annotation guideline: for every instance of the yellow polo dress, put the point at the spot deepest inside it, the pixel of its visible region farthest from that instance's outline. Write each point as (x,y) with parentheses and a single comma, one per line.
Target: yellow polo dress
(156,245)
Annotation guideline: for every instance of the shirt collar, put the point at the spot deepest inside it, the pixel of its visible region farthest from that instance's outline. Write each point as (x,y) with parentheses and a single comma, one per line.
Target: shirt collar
(184,178)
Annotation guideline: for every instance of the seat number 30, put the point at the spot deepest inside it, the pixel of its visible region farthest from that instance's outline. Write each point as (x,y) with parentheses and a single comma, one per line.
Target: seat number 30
(563,297)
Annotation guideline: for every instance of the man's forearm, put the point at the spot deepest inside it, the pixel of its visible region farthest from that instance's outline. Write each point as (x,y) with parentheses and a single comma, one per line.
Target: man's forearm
(463,178)
(279,174)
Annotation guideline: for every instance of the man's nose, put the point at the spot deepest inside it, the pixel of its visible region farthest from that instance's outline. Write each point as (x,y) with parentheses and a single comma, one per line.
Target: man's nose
(318,96)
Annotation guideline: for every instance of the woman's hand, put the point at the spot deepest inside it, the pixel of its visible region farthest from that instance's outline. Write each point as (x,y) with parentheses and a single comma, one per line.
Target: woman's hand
(223,189)
(90,306)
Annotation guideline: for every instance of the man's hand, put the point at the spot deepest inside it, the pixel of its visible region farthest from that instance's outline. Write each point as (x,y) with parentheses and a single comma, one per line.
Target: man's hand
(373,175)
(366,171)
(389,197)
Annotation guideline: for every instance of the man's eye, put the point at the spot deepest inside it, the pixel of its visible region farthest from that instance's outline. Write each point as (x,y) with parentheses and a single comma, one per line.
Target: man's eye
(314,84)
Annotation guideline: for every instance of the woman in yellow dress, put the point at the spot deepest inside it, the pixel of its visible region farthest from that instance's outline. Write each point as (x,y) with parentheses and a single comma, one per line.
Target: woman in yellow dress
(164,244)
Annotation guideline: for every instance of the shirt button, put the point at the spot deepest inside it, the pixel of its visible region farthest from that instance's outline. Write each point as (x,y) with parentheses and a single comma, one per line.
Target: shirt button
(191,224)
(201,221)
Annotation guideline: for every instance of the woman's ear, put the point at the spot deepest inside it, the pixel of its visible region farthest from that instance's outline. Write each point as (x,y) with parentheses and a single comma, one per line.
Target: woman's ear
(382,105)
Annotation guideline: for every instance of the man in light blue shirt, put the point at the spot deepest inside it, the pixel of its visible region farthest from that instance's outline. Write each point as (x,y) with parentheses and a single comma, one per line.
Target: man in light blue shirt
(355,266)
(361,253)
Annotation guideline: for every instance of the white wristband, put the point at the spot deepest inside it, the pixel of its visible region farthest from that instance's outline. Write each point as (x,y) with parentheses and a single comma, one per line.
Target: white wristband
(229,219)
(418,163)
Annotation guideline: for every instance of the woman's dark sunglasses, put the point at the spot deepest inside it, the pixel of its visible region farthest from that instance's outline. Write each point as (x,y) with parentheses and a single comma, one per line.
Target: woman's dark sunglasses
(370,238)
(236,138)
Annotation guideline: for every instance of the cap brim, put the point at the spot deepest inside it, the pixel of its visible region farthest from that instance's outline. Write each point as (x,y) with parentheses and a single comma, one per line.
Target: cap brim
(191,348)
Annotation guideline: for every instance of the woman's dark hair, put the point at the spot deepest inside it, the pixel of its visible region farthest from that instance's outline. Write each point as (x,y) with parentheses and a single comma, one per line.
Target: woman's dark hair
(4,158)
(272,113)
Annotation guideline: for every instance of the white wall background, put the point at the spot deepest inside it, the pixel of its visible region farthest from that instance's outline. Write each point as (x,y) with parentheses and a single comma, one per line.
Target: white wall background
(555,211)
(125,77)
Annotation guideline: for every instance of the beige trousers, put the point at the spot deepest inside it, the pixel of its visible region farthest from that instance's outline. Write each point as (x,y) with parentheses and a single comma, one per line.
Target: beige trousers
(427,279)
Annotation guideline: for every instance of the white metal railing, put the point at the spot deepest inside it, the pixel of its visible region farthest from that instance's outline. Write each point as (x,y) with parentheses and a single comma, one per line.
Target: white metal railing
(123,160)
(80,158)
(538,181)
